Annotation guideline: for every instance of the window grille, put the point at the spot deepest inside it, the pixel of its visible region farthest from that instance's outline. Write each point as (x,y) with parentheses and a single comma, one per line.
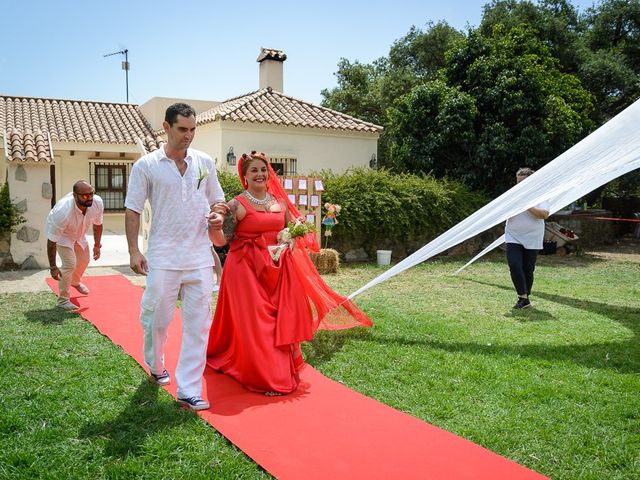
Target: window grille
(285,166)
(110,179)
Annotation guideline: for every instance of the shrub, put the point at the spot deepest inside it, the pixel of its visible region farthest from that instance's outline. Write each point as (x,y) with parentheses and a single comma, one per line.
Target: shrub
(10,218)
(402,212)
(230,184)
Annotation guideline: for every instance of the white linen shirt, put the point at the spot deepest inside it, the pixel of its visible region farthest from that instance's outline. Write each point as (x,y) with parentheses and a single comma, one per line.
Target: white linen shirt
(179,238)
(66,225)
(526,229)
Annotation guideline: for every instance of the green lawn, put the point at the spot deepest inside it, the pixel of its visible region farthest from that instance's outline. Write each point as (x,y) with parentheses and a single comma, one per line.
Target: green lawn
(555,387)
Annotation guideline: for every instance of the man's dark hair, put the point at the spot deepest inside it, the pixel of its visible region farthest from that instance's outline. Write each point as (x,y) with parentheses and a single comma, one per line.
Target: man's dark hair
(171,115)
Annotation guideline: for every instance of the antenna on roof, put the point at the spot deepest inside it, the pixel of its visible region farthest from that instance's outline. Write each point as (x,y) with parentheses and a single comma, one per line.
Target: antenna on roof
(125,66)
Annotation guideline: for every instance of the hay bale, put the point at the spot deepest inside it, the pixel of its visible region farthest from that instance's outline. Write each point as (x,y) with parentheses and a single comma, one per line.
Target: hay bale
(326,261)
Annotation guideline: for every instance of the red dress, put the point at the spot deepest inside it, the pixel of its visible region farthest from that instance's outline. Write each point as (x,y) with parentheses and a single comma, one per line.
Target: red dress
(262,311)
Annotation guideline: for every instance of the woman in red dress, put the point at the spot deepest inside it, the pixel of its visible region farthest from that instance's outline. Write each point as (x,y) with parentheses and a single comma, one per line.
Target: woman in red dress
(264,306)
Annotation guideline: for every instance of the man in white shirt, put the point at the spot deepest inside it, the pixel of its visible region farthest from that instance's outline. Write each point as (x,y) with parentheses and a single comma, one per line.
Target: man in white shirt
(524,235)
(182,186)
(67,225)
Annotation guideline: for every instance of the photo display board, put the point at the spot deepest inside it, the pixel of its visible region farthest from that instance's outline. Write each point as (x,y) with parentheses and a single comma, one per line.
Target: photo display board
(306,194)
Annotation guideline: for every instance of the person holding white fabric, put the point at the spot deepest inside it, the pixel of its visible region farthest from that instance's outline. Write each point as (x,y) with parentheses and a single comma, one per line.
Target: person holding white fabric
(67,225)
(182,186)
(524,235)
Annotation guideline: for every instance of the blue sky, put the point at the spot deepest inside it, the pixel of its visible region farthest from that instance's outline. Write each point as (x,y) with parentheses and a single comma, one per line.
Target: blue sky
(200,49)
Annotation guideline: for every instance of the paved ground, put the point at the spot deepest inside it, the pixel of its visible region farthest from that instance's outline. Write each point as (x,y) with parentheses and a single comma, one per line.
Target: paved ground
(34,280)
(114,260)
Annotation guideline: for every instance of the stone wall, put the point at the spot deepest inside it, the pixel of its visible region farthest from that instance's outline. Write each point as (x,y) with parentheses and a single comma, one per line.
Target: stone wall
(590,232)
(362,250)
(31,191)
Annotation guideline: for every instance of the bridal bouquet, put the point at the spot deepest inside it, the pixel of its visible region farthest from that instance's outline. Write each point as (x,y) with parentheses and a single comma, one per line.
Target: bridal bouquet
(300,227)
(286,237)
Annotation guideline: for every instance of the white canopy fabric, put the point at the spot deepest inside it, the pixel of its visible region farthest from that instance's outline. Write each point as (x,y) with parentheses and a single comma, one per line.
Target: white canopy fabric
(609,152)
(496,243)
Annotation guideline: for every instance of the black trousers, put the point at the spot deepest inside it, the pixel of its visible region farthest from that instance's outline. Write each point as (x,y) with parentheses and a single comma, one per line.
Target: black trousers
(522,263)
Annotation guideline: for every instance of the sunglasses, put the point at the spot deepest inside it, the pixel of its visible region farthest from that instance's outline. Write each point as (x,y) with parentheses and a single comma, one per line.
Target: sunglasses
(85,195)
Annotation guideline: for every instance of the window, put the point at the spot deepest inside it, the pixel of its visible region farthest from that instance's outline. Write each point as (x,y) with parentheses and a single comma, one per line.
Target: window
(285,166)
(110,182)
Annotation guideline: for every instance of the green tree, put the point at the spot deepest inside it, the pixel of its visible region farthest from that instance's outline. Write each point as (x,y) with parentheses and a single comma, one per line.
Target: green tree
(600,46)
(611,66)
(555,22)
(525,111)
(357,93)
(423,52)
(366,91)
(534,79)
(431,130)
(9,215)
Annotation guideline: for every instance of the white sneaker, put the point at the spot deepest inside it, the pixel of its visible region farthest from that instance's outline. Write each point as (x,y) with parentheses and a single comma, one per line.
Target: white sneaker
(161,378)
(67,305)
(82,288)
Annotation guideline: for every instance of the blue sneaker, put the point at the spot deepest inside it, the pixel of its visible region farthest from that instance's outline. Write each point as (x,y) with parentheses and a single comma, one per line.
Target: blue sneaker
(194,403)
(161,378)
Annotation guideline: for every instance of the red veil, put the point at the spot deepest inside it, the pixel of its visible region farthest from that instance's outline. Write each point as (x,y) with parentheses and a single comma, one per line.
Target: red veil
(332,311)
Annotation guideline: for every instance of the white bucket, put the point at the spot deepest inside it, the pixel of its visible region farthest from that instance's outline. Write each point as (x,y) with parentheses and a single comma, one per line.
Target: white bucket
(384,257)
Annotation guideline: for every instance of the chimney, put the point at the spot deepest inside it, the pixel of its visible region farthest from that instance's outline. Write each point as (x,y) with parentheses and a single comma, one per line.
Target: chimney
(270,61)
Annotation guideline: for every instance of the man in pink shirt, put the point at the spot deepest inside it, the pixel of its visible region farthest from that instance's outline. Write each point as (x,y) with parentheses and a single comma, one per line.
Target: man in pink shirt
(67,225)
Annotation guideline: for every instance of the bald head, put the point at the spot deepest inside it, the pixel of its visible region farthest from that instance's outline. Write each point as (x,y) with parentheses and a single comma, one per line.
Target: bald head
(82,186)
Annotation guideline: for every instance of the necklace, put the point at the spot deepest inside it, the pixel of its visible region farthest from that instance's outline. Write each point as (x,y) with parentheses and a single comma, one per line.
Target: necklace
(258,201)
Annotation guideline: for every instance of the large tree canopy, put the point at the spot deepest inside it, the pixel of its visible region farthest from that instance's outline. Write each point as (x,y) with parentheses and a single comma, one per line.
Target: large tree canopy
(529,82)
(601,46)
(432,129)
(555,22)
(366,91)
(611,61)
(505,104)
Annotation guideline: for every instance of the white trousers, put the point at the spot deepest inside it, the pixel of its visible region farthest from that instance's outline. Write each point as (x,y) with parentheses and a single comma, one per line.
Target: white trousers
(158,306)
(74,264)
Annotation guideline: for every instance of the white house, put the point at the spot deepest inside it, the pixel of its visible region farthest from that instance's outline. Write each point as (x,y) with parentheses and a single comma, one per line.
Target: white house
(298,136)
(48,144)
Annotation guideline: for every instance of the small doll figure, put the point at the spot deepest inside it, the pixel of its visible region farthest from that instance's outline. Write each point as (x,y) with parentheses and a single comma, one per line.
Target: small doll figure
(329,220)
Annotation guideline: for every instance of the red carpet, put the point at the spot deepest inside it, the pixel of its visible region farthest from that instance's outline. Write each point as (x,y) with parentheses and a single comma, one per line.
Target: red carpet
(323,431)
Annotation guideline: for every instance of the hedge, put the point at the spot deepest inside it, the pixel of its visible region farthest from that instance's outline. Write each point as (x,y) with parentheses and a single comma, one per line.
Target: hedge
(383,210)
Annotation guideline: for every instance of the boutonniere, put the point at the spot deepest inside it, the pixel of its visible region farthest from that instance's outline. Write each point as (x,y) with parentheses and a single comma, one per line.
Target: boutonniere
(203,172)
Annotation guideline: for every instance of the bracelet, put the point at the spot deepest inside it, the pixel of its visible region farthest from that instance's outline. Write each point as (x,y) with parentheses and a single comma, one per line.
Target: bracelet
(99,245)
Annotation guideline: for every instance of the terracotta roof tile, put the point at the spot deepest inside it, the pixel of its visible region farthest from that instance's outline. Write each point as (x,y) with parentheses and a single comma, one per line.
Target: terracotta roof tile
(27,145)
(31,123)
(271,107)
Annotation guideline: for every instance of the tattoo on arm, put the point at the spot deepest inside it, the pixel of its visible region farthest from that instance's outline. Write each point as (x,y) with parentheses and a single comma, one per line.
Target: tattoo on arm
(230,222)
